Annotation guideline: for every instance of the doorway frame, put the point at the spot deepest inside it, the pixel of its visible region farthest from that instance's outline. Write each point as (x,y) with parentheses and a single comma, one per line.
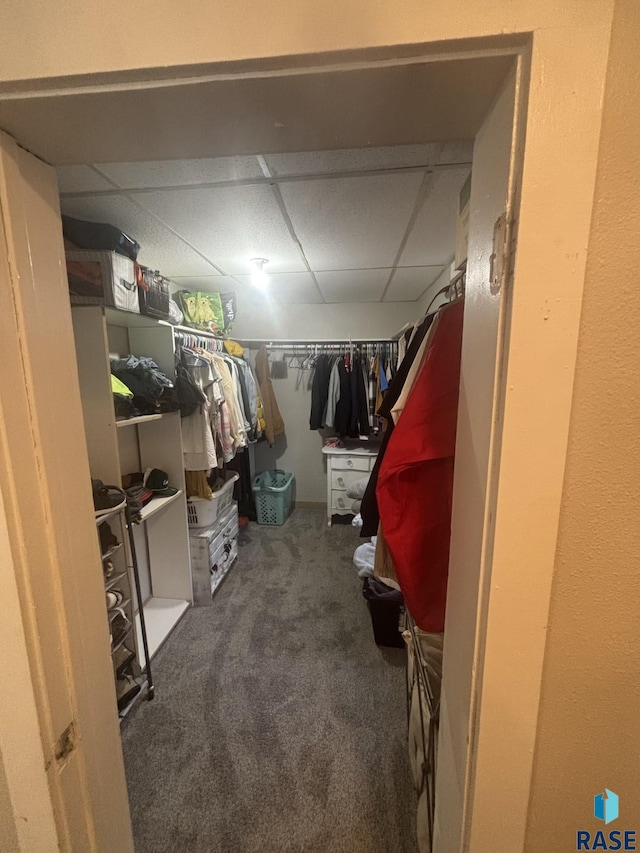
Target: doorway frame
(508,522)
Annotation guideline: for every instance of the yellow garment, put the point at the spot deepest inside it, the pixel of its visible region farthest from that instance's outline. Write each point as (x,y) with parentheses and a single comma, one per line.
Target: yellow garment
(274,425)
(234,348)
(118,387)
(196,485)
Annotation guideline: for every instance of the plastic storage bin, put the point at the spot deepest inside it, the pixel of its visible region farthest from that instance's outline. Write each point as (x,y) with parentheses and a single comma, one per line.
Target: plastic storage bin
(273,491)
(202,512)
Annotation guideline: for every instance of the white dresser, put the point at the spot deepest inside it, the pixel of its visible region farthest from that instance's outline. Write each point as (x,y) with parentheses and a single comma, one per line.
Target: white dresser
(345,466)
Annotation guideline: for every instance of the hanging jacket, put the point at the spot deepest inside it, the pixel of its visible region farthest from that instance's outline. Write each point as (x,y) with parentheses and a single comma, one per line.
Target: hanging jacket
(415,483)
(274,425)
(320,391)
(343,406)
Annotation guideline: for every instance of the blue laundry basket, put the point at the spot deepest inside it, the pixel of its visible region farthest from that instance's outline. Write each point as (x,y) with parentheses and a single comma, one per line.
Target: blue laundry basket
(273,493)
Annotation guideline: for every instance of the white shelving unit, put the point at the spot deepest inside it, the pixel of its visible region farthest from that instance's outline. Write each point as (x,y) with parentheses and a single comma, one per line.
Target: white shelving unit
(149,441)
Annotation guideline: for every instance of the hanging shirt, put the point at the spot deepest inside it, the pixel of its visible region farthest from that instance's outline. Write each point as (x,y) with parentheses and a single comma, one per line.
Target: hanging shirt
(274,425)
(415,483)
(320,391)
(333,395)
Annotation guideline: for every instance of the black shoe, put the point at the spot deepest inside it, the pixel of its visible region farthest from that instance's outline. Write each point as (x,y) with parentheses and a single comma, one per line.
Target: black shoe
(106,499)
(126,690)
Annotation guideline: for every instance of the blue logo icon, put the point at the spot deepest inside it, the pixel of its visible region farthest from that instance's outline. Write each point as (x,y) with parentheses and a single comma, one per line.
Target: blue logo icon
(605,806)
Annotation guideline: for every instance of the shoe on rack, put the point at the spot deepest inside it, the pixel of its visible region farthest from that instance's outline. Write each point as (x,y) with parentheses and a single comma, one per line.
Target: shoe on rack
(107,499)
(108,568)
(127,688)
(123,659)
(114,598)
(120,626)
(108,539)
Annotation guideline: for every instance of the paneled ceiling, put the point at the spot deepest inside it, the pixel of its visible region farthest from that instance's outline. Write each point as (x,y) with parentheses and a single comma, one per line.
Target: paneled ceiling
(363,225)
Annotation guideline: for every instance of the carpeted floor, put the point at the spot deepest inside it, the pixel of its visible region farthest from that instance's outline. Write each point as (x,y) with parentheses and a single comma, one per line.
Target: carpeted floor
(278,725)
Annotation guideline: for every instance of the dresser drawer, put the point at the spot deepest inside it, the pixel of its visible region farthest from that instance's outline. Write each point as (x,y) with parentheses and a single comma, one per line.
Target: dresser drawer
(340,502)
(352,463)
(345,479)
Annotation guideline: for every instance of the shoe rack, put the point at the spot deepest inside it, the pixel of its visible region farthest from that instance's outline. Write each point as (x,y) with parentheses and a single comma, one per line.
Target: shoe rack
(120,447)
(122,589)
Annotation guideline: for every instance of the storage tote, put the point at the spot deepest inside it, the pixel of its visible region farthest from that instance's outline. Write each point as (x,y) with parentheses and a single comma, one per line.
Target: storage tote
(102,278)
(202,512)
(273,492)
(213,551)
(154,294)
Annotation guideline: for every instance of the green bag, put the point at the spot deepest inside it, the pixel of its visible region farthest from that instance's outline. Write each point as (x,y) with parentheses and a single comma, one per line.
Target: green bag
(209,312)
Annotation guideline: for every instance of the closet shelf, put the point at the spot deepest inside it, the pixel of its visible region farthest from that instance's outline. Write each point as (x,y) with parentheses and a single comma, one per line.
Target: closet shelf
(140,419)
(157,505)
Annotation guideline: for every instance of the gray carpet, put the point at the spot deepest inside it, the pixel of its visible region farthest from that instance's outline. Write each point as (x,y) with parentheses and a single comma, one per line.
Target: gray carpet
(278,725)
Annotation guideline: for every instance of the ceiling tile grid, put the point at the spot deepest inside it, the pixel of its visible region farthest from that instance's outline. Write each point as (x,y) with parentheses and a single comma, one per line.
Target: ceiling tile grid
(366,285)
(409,283)
(159,248)
(348,230)
(230,225)
(167,173)
(351,223)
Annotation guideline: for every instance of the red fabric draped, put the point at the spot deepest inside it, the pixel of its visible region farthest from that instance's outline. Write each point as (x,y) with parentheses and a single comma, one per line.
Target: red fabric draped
(415,484)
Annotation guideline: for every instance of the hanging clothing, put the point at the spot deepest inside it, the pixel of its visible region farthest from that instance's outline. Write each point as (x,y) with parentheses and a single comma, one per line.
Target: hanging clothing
(359,415)
(369,508)
(343,406)
(333,395)
(415,483)
(274,425)
(320,391)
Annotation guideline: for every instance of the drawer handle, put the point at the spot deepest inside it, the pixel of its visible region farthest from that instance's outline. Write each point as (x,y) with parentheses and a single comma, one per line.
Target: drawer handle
(350,463)
(340,502)
(340,481)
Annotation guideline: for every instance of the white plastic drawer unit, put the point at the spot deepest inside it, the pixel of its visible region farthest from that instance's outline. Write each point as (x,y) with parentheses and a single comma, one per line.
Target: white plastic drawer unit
(344,469)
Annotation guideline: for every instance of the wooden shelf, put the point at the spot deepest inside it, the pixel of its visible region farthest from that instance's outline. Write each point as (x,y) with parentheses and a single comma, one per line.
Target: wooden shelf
(161,615)
(157,505)
(140,419)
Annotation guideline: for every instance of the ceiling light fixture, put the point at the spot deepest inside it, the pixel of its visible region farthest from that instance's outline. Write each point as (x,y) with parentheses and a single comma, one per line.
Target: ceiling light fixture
(259,278)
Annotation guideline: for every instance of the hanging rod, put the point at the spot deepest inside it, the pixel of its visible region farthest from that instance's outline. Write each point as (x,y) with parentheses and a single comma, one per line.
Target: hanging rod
(301,342)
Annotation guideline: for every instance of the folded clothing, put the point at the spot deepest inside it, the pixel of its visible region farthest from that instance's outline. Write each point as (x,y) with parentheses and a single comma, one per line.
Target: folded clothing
(356,490)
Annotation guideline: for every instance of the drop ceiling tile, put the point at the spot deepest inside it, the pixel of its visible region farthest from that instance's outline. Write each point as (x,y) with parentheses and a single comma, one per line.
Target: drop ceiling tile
(432,239)
(230,225)
(166,173)
(409,283)
(361,159)
(295,288)
(351,223)
(159,248)
(79,179)
(353,285)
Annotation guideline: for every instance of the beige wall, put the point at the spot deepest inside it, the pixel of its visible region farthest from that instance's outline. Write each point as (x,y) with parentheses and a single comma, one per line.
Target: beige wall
(589,731)
(260,319)
(83,38)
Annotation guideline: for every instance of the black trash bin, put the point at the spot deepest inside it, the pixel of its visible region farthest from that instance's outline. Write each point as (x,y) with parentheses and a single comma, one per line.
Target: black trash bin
(385,608)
